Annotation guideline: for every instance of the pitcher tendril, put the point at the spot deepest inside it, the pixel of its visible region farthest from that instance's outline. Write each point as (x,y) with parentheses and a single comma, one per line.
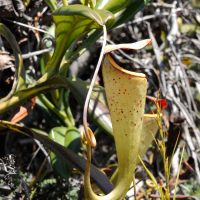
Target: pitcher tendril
(91,141)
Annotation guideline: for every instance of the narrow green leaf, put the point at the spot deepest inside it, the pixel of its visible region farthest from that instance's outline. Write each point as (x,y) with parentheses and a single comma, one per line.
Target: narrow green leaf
(69,138)
(49,115)
(152,177)
(46,57)
(40,131)
(62,115)
(19,72)
(67,107)
(42,66)
(65,154)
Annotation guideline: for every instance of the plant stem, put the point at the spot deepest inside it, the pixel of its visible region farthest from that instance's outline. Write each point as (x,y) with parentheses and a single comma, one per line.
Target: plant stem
(86,2)
(97,131)
(67,107)
(33,193)
(60,100)
(65,3)
(134,187)
(60,114)
(63,101)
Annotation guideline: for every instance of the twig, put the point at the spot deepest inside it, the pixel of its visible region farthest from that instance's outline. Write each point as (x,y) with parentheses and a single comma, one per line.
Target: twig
(35,153)
(28,26)
(39,172)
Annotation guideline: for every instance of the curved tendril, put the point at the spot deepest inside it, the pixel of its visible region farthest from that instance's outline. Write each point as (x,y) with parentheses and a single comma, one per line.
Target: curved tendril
(84,139)
(89,139)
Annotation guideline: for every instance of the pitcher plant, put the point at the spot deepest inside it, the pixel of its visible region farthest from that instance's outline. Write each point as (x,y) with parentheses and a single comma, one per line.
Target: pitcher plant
(126,94)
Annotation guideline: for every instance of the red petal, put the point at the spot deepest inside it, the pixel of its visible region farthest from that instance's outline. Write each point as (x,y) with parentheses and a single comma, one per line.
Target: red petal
(161,102)
(106,169)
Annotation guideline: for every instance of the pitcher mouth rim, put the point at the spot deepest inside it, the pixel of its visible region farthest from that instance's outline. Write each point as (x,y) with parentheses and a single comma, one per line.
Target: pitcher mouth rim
(152,115)
(114,64)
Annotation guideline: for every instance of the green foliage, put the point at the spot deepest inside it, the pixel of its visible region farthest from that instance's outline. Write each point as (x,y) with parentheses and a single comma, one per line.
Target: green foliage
(69,138)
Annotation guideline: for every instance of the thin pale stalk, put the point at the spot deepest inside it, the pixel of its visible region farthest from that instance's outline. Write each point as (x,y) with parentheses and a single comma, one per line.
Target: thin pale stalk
(134,186)
(92,85)
(28,26)
(39,172)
